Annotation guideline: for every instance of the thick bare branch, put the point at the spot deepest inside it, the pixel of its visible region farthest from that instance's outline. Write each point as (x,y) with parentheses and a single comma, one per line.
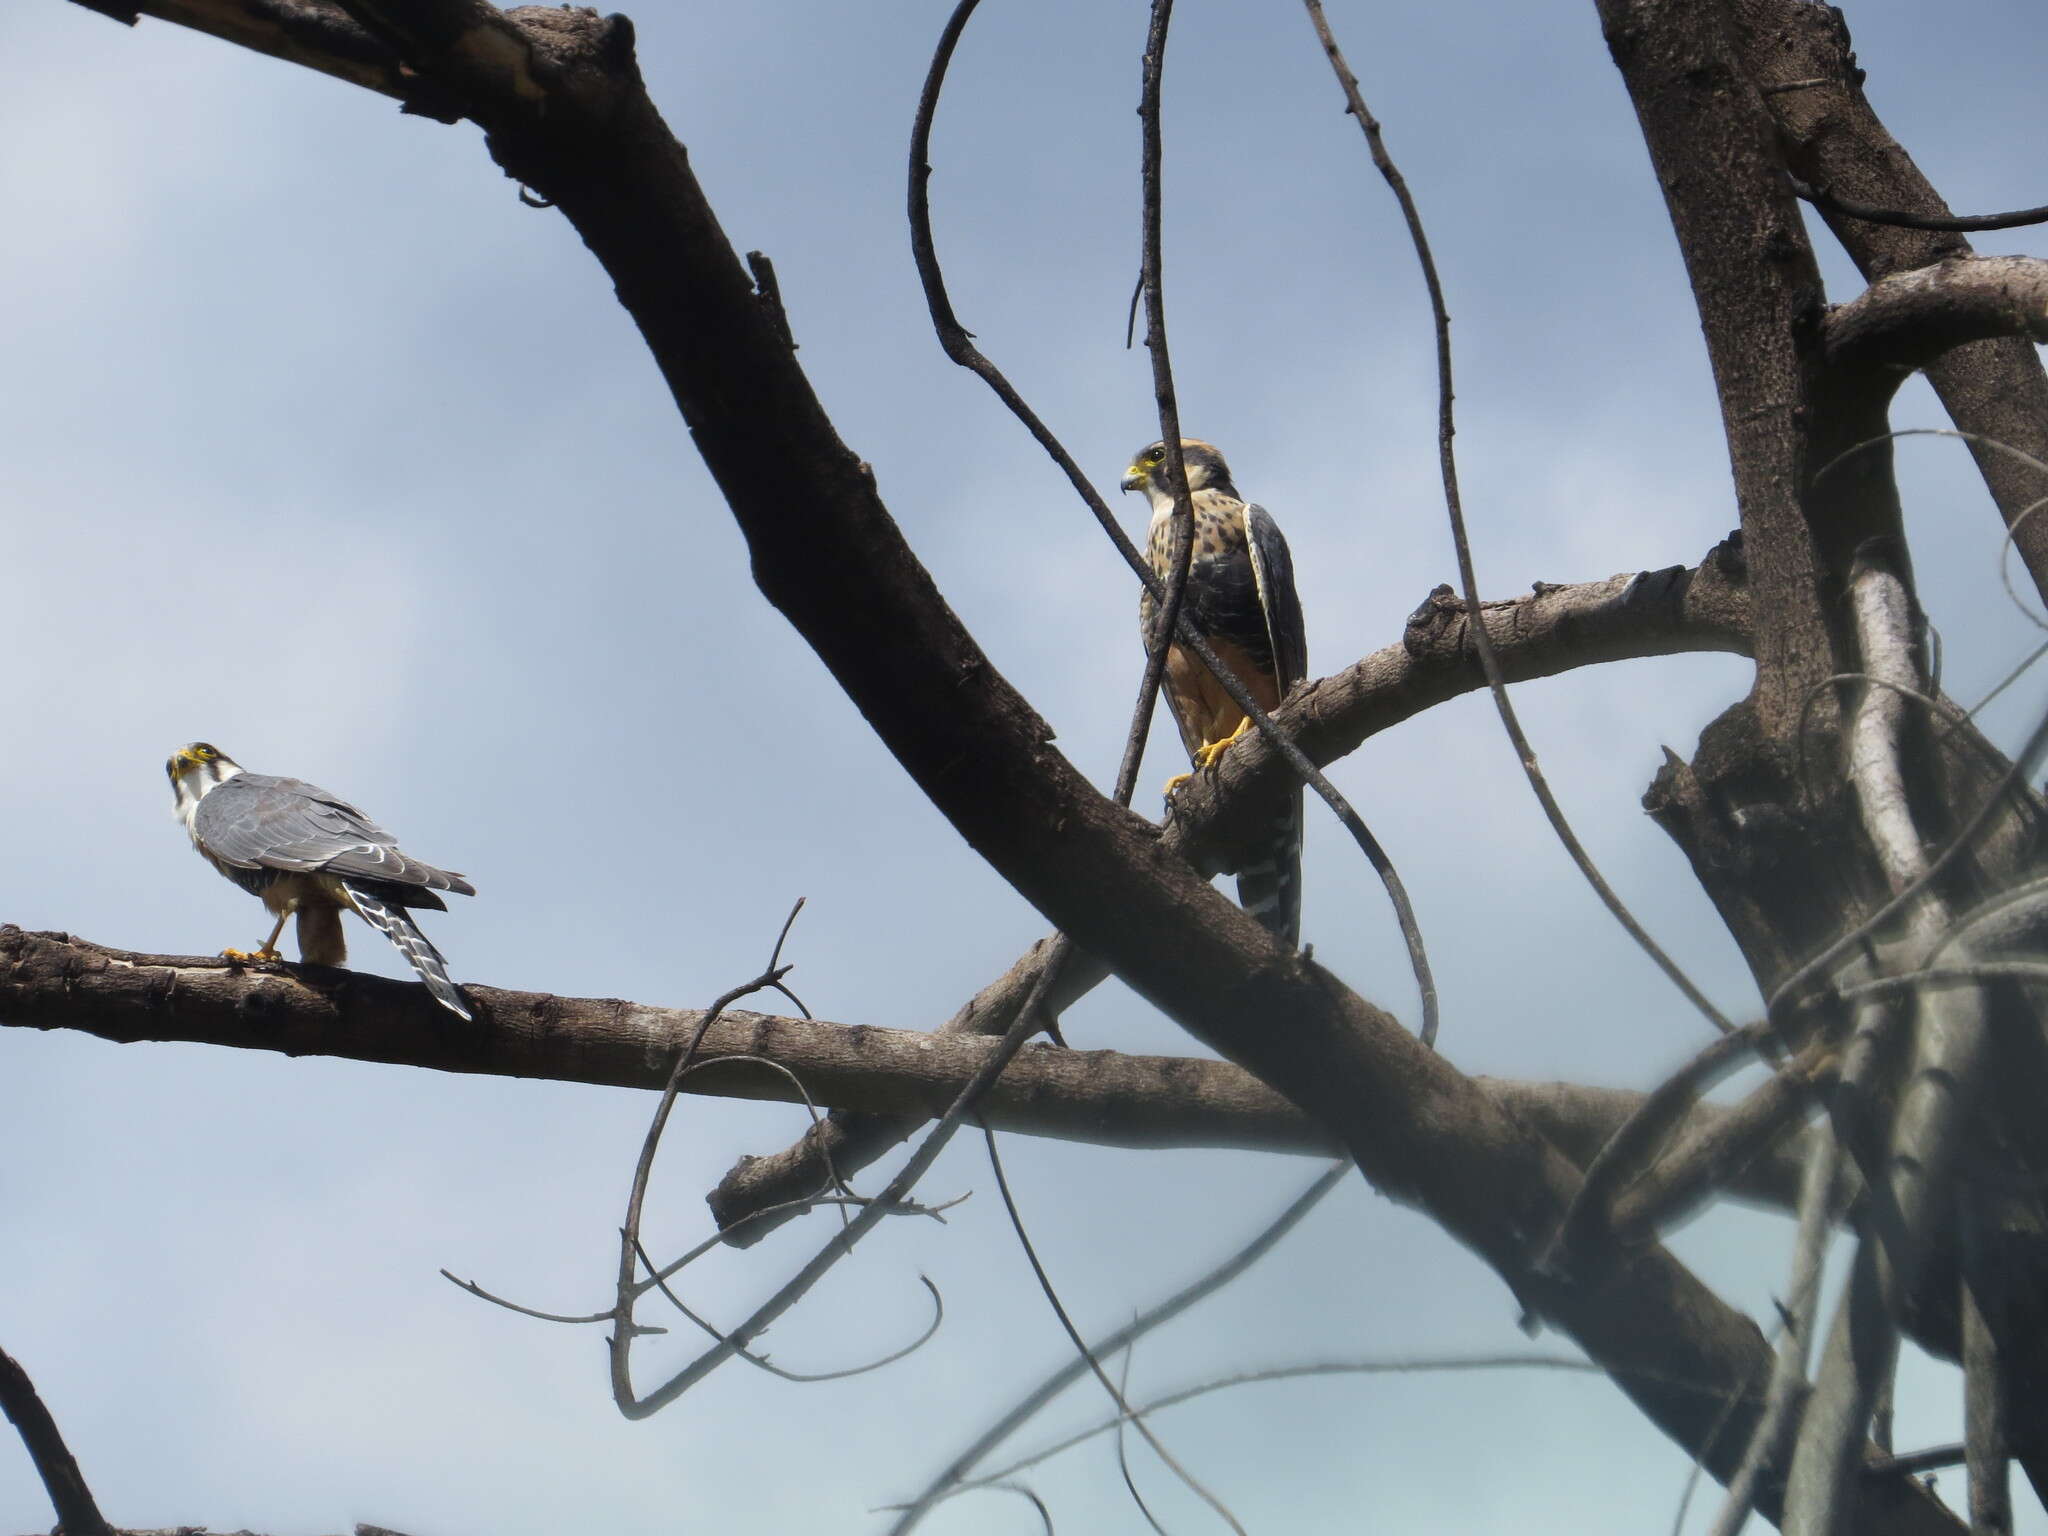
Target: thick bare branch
(1553,630)
(54,981)
(1753,276)
(77,1512)
(1888,627)
(316,34)
(1830,137)
(1768,1451)
(1904,322)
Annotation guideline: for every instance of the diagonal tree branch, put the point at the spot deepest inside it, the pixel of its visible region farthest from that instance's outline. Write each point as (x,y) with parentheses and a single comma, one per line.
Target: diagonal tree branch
(77,1512)
(315,34)
(1553,630)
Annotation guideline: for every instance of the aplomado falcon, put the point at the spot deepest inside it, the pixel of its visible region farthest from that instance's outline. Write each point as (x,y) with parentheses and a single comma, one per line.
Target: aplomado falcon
(309,852)
(1241,597)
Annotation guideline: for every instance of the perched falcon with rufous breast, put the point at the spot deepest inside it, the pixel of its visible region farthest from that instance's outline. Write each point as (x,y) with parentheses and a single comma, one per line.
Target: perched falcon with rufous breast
(1241,597)
(308,852)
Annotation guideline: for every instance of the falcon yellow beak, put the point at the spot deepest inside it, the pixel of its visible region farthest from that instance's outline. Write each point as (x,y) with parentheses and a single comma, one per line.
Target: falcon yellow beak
(1134,478)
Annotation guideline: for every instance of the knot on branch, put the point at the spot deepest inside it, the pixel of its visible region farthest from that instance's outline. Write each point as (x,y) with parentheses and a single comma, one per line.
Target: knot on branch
(1439,626)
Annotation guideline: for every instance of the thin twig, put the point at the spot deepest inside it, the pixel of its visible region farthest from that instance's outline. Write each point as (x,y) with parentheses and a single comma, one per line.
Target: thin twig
(2015,777)
(1167,613)
(1123,1456)
(1949,1038)
(1423,1365)
(1975,440)
(1448,464)
(1783,1398)
(2031,973)
(1634,1146)
(2006,682)
(1984,1386)
(625,1330)
(1037,1503)
(1080,1344)
(764,1363)
(768,1213)
(2017,914)
(842,1243)
(957,1470)
(1946,710)
(1899,218)
(1699,1460)
(1915,1463)
(1717,1152)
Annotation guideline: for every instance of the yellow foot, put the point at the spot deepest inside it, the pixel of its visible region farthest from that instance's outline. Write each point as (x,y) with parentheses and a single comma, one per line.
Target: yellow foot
(1175,783)
(264,956)
(1207,753)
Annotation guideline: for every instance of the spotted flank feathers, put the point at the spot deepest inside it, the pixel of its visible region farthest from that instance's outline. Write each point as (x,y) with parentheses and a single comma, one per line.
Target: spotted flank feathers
(396,925)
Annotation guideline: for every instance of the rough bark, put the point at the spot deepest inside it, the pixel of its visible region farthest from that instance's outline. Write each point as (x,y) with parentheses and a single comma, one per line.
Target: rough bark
(55,981)
(1552,630)
(1753,276)
(1903,323)
(1832,139)
(77,1512)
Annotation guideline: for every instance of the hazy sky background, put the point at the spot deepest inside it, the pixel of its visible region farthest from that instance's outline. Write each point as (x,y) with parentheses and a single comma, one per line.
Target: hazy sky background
(320,446)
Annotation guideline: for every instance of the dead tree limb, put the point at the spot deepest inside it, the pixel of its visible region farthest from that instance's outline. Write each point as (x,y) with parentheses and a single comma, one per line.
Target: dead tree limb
(1905,322)
(1759,296)
(1830,137)
(1105,1098)
(1554,629)
(76,1510)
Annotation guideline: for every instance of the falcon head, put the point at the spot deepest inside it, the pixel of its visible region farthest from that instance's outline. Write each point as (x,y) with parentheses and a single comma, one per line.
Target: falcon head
(1205,466)
(195,768)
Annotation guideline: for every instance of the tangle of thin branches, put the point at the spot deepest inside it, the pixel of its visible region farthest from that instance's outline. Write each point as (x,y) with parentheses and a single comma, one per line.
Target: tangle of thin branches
(1467,576)
(1081,1348)
(956,1471)
(957,342)
(1028,1023)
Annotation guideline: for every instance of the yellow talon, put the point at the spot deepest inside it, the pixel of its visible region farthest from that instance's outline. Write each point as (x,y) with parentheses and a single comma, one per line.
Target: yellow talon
(264,956)
(1175,783)
(1207,753)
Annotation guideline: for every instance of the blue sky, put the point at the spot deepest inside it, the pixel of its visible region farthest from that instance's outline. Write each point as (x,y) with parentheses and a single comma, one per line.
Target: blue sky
(319,445)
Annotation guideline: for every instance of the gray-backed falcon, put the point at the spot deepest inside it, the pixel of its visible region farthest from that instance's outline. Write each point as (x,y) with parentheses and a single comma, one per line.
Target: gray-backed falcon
(309,852)
(1241,597)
